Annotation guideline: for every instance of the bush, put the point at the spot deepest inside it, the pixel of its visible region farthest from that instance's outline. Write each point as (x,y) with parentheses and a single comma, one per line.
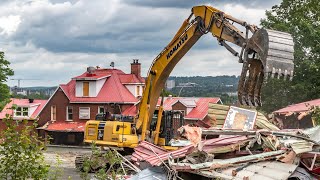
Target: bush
(21,152)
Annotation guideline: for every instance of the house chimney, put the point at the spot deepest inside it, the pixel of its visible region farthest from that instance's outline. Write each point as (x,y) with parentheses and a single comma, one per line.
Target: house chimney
(31,100)
(136,68)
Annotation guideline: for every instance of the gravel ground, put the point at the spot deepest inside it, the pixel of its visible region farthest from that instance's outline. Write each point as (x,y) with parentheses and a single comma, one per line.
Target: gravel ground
(66,156)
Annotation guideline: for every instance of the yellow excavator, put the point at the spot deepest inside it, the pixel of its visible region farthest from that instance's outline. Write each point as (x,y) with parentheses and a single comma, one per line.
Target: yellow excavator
(264,53)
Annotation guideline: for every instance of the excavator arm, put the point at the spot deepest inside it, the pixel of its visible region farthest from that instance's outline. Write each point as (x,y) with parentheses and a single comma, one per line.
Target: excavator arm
(265,52)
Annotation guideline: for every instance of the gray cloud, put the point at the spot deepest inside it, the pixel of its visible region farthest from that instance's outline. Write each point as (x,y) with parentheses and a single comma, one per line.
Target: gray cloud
(58,39)
(190,3)
(79,26)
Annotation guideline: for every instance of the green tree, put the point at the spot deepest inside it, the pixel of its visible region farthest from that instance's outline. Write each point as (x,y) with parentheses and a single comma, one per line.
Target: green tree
(21,152)
(302,20)
(5,71)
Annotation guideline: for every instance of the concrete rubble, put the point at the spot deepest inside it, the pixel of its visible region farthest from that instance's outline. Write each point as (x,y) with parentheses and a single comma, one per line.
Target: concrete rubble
(262,152)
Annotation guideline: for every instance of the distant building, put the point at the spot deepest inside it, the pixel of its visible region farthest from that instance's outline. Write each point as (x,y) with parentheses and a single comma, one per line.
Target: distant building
(188,84)
(18,90)
(170,84)
(25,109)
(232,93)
(95,91)
(194,108)
(49,92)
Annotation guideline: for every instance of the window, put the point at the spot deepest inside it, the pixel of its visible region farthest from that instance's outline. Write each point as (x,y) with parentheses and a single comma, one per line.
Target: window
(53,113)
(69,113)
(101,109)
(138,90)
(85,88)
(84,113)
(177,115)
(22,111)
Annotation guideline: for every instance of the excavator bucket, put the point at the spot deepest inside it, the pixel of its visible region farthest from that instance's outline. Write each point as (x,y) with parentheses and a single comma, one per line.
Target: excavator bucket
(268,54)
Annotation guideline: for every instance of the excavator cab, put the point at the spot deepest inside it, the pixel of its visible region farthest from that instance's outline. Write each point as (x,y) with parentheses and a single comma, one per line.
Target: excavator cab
(171,121)
(267,54)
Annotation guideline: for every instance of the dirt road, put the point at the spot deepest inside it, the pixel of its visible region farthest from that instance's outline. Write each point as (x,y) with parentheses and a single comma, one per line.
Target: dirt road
(66,157)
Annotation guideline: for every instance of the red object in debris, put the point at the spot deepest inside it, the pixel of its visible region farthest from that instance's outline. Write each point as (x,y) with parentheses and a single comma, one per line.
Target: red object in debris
(300,107)
(66,126)
(143,152)
(311,161)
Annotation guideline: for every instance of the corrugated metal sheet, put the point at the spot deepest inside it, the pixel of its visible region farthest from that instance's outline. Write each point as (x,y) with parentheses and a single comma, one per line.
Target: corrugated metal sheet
(130,79)
(268,170)
(150,173)
(217,145)
(66,127)
(223,163)
(300,107)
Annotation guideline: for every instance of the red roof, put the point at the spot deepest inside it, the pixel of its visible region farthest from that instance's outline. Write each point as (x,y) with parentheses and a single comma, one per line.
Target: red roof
(37,103)
(66,126)
(130,111)
(198,113)
(96,74)
(300,107)
(113,90)
(130,79)
(201,110)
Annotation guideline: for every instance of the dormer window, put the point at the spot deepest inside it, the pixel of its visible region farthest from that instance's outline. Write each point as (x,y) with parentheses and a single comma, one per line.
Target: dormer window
(86,89)
(138,90)
(22,111)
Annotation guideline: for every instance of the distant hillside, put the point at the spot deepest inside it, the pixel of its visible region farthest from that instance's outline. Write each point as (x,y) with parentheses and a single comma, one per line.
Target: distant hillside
(208,86)
(224,87)
(35,88)
(37,92)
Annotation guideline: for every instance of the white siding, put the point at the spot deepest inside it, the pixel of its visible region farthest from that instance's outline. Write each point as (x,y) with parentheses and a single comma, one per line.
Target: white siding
(100,83)
(79,88)
(189,110)
(132,89)
(32,109)
(92,88)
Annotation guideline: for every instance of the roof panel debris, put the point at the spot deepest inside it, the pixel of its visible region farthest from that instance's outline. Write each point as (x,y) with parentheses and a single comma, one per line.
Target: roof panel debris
(264,152)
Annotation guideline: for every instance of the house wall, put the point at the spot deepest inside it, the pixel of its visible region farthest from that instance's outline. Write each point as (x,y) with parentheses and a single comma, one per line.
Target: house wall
(99,85)
(132,89)
(60,100)
(180,107)
(94,87)
(31,110)
(19,127)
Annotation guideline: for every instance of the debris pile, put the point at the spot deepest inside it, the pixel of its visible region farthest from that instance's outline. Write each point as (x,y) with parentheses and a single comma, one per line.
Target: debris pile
(260,152)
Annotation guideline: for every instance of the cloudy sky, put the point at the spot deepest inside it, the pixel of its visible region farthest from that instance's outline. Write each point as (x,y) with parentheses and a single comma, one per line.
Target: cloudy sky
(54,40)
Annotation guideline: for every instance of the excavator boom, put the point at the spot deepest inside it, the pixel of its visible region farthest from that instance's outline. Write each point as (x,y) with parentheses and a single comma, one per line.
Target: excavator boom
(266,53)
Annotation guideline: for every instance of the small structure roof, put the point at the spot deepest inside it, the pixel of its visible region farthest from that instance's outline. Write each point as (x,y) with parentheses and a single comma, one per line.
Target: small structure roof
(66,127)
(38,103)
(300,107)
